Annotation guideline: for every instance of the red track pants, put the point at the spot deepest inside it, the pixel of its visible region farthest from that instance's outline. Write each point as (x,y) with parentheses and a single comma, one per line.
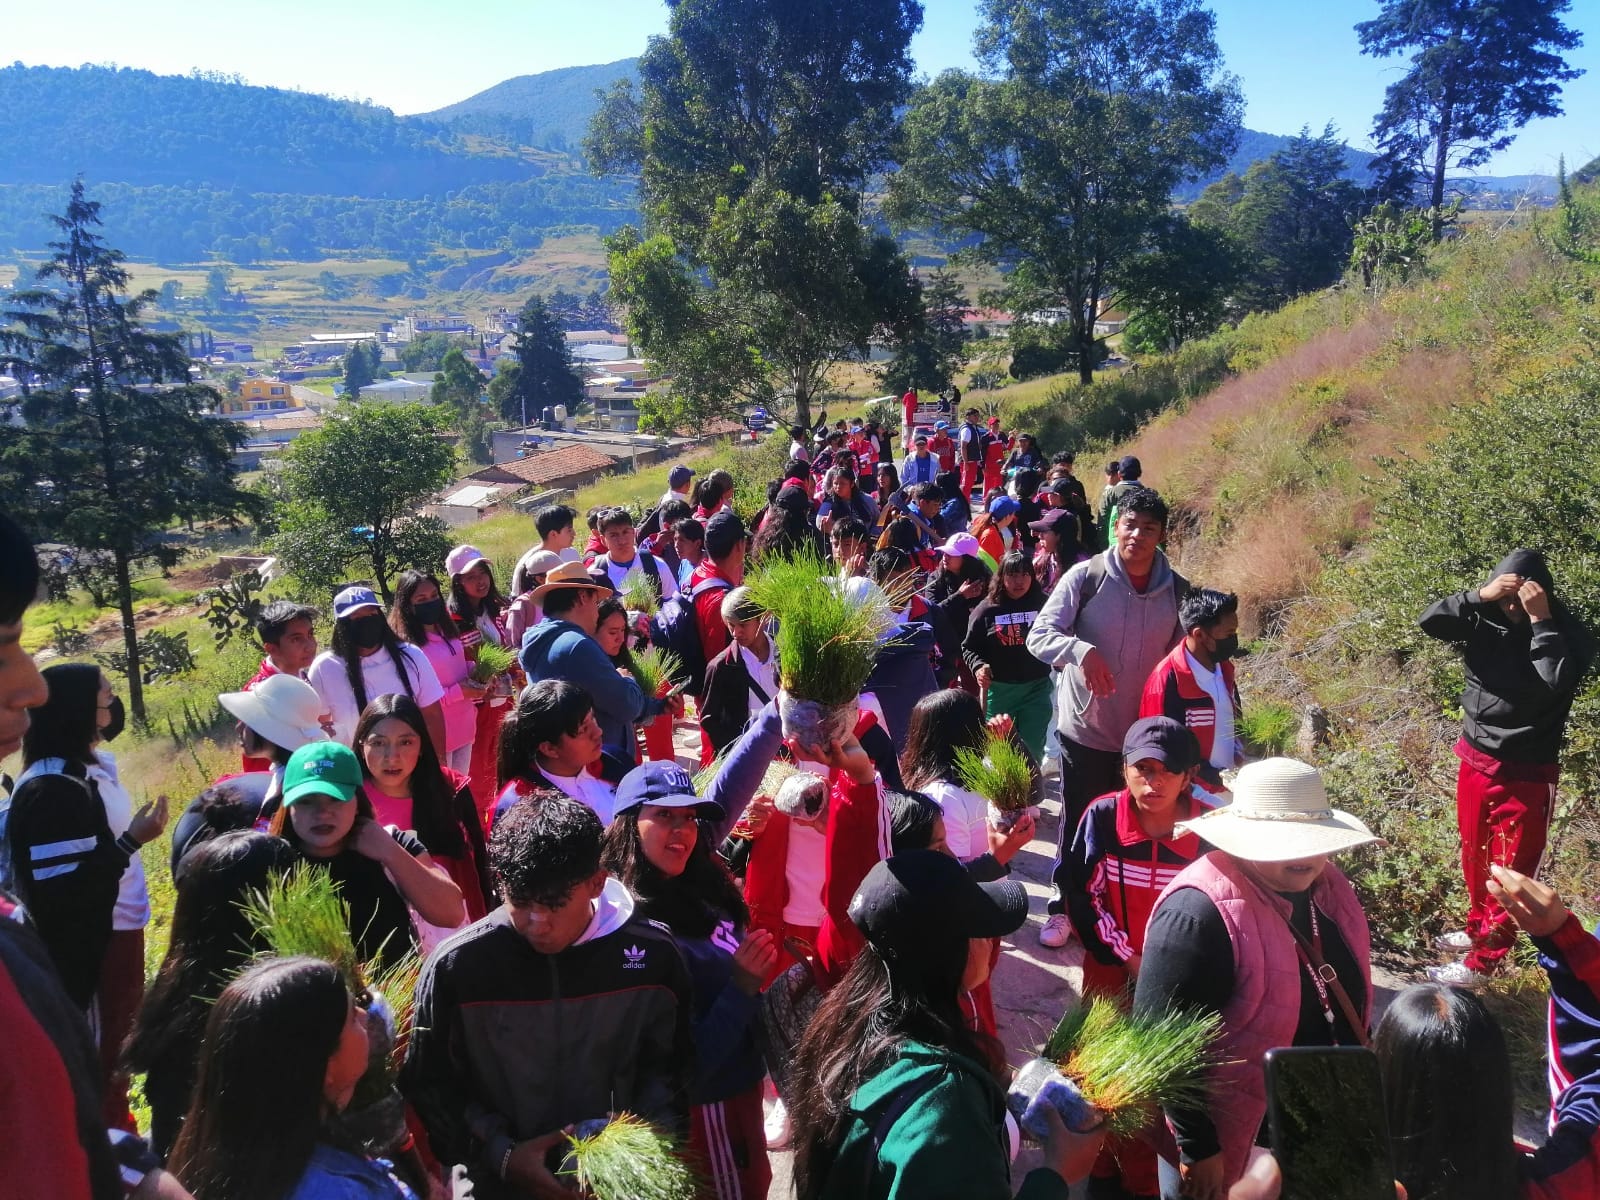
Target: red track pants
(1503,810)
(729,1144)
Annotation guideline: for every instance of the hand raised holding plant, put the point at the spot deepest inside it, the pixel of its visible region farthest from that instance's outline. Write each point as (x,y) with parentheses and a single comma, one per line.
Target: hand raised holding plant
(1070,1155)
(847,755)
(526,1169)
(1005,844)
(1532,905)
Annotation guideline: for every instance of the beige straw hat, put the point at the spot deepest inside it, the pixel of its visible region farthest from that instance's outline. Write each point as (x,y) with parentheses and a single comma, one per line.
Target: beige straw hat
(1280,812)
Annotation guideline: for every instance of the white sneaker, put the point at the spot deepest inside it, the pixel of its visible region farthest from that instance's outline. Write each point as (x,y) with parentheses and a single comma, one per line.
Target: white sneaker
(1458,941)
(1057,931)
(777,1126)
(1457,974)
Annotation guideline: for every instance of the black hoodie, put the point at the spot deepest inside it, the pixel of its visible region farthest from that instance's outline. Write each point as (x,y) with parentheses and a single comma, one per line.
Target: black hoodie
(1521,675)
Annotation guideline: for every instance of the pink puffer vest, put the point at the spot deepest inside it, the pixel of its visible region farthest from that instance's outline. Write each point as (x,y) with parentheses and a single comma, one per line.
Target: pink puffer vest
(1265,1007)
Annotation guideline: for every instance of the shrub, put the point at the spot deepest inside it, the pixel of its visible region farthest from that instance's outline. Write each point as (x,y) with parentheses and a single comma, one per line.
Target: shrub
(1269,727)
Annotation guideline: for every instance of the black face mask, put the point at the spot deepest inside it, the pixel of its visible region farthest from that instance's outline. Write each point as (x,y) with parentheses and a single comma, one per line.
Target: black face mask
(366,632)
(1226,648)
(430,612)
(117,722)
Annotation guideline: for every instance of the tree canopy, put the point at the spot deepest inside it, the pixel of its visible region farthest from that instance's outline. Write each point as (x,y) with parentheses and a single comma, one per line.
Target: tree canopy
(115,445)
(544,376)
(1480,70)
(352,490)
(1291,218)
(754,129)
(1063,155)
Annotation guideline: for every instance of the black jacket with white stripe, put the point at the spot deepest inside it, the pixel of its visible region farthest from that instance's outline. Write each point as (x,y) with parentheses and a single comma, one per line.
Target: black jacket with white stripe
(66,870)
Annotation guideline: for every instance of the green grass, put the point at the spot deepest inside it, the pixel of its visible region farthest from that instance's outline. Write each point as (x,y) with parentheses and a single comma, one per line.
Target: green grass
(1269,727)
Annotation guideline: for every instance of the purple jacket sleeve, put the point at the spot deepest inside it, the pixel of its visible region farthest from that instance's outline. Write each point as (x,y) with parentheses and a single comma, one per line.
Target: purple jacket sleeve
(742,771)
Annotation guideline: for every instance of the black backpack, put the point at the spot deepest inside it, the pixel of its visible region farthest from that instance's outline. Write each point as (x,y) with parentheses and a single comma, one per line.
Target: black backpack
(675,629)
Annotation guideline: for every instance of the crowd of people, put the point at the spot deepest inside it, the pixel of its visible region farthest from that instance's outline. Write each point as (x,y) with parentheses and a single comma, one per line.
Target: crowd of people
(748,965)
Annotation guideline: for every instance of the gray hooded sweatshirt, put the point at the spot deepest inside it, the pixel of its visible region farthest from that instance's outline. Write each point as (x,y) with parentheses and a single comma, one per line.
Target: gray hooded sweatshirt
(1132,630)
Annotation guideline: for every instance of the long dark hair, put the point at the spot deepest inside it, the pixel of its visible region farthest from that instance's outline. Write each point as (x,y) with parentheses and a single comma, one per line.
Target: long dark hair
(210,941)
(403,617)
(610,607)
(941,723)
(346,651)
(1015,562)
(432,798)
(258,1107)
(543,712)
(1447,1087)
(788,531)
(857,1031)
(66,725)
(690,904)
(465,608)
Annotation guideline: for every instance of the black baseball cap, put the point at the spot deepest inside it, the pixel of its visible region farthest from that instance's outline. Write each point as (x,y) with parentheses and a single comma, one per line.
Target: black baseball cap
(920,895)
(723,532)
(1163,739)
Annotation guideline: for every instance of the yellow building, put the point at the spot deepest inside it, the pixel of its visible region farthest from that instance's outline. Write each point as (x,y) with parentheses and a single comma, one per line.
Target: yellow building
(260,396)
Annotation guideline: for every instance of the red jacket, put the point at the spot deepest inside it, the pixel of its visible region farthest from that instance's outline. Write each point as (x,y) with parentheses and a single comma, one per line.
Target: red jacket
(944,446)
(1172,691)
(714,635)
(857,839)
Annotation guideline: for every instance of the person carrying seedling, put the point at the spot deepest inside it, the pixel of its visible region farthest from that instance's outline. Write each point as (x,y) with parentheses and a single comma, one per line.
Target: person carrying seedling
(561,1006)
(1124,854)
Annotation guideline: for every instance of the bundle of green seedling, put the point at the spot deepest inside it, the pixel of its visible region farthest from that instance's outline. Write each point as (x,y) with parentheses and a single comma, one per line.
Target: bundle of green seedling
(492,662)
(1105,1065)
(1001,773)
(655,670)
(628,1159)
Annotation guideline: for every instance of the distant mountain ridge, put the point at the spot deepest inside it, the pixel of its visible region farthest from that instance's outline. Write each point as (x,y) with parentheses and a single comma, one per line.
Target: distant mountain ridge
(203,164)
(550,109)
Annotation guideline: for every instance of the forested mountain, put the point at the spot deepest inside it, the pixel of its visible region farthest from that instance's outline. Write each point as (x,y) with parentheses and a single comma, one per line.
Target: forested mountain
(191,165)
(550,109)
(139,128)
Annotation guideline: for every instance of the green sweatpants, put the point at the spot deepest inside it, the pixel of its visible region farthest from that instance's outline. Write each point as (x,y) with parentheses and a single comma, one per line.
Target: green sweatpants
(1029,706)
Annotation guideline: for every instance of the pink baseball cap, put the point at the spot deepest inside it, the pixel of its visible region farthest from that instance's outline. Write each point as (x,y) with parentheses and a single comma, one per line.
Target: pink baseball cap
(960,543)
(462,559)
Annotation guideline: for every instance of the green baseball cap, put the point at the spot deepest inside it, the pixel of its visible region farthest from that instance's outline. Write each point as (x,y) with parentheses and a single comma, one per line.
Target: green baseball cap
(321,769)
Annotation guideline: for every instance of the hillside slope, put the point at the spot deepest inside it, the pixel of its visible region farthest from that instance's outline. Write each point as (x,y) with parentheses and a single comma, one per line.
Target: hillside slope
(1344,461)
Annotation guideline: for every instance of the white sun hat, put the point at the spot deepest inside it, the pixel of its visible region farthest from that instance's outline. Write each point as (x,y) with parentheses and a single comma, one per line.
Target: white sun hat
(1280,812)
(281,708)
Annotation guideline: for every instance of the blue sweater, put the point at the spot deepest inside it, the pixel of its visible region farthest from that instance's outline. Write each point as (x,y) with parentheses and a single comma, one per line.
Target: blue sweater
(334,1174)
(558,649)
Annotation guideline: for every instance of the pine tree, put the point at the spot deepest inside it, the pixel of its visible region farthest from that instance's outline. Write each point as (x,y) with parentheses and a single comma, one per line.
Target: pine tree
(546,377)
(115,445)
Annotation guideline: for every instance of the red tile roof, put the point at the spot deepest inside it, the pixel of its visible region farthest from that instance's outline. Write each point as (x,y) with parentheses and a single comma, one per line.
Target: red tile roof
(545,466)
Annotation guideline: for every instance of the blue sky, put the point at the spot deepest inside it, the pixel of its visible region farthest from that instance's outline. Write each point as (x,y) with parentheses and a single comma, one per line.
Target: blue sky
(1297,60)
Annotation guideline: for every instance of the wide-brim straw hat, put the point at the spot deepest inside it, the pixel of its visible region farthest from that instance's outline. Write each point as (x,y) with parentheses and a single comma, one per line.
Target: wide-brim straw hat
(284,710)
(1280,812)
(567,575)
